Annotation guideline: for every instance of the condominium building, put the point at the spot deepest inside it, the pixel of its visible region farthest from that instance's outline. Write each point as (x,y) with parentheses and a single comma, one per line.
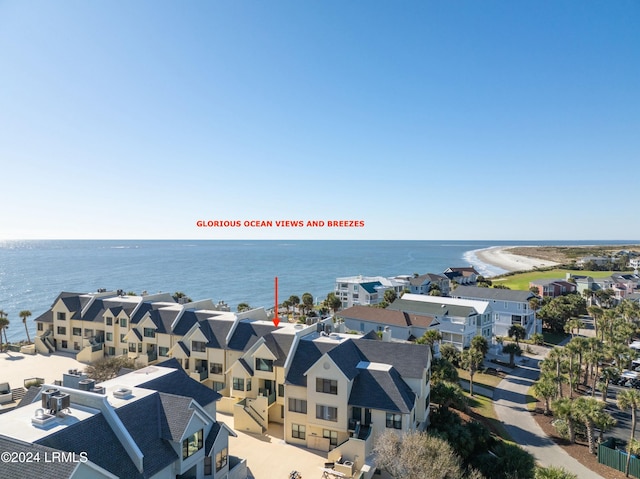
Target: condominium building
(367,290)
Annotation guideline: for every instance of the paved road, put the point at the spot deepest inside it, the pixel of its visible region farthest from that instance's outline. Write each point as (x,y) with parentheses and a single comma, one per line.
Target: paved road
(510,405)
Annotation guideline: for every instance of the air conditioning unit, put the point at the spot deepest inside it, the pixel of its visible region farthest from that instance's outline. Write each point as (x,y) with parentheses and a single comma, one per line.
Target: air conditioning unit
(86,384)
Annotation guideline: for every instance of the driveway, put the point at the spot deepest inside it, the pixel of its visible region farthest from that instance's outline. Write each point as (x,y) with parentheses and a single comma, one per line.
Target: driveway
(510,406)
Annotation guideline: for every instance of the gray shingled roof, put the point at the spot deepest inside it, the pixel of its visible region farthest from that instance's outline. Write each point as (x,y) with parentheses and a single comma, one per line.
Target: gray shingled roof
(432,309)
(216,332)
(279,345)
(178,412)
(40,469)
(408,359)
(30,396)
(307,353)
(498,294)
(180,384)
(346,356)
(247,333)
(382,390)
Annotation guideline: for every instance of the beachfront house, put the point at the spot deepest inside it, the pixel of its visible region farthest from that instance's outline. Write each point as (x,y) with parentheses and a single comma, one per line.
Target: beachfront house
(508,307)
(424,283)
(367,290)
(458,320)
(400,325)
(154,422)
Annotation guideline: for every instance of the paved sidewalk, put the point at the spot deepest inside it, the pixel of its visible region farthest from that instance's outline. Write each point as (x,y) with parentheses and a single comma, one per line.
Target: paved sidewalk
(510,406)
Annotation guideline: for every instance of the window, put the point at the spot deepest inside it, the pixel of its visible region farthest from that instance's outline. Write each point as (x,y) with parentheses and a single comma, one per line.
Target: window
(264,364)
(281,390)
(186,364)
(123,323)
(238,384)
(394,420)
(88,333)
(149,333)
(109,321)
(122,340)
(132,347)
(76,331)
(327,413)
(298,405)
(139,347)
(198,346)
(124,351)
(61,316)
(163,351)
(331,435)
(76,346)
(40,327)
(249,384)
(329,386)
(208,466)
(218,386)
(111,351)
(65,344)
(62,330)
(109,336)
(215,368)
(221,459)
(298,431)
(192,444)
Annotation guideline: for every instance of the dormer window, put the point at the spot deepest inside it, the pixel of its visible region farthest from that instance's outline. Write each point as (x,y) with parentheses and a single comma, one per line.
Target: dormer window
(329,386)
(264,364)
(192,444)
(61,317)
(198,346)
(149,333)
(109,321)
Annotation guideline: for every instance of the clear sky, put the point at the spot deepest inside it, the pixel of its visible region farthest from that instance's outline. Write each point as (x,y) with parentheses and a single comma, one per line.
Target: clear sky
(424,119)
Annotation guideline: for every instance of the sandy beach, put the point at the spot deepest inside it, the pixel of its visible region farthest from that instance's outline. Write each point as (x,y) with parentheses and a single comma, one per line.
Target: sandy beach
(500,257)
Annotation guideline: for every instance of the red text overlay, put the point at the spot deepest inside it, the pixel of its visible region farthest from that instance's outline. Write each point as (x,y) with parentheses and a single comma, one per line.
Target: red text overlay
(326,223)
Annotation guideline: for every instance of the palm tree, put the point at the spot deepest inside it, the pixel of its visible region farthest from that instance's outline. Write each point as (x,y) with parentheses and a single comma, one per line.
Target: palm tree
(512,349)
(307,302)
(517,332)
(4,323)
(481,344)
(471,360)
(553,472)
(595,312)
(544,388)
(573,324)
(589,411)
(570,352)
(430,337)
(562,409)
(608,375)
(629,399)
(556,355)
(24,315)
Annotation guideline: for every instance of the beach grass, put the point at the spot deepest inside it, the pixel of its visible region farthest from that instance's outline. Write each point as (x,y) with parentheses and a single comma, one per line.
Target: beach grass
(521,280)
(484,407)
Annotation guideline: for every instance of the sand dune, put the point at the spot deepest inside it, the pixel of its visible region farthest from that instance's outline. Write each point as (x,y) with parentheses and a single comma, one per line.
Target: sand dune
(499,256)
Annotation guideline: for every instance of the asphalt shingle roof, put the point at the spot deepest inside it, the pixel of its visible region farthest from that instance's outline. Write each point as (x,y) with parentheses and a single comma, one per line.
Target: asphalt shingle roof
(497,294)
(178,413)
(383,390)
(247,333)
(39,469)
(431,309)
(307,353)
(180,384)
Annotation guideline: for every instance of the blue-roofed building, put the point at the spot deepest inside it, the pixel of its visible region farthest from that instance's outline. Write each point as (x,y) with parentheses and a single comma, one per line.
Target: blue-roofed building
(368,290)
(144,424)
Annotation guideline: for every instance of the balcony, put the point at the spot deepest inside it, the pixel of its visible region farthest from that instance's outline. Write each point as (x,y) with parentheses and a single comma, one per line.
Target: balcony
(200,375)
(271,397)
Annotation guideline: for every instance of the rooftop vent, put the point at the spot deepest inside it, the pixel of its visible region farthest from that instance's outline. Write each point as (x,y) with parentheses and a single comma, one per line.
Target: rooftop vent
(86,384)
(42,419)
(122,393)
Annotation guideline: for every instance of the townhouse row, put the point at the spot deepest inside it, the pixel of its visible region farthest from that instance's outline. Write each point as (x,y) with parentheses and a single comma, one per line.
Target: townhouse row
(331,390)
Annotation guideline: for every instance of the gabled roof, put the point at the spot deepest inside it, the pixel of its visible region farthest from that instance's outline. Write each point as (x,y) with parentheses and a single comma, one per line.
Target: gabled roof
(419,280)
(347,357)
(46,317)
(180,384)
(160,314)
(40,469)
(246,366)
(280,345)
(216,331)
(247,333)
(382,390)
(492,294)
(307,353)
(376,315)
(432,309)
(178,411)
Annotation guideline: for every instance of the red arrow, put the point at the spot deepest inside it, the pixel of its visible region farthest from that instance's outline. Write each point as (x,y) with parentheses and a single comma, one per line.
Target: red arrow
(276,320)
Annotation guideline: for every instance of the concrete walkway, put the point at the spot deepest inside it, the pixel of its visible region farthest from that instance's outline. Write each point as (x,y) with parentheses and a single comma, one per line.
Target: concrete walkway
(510,406)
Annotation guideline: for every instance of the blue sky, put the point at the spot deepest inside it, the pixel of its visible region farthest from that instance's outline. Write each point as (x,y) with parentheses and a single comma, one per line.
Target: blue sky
(426,120)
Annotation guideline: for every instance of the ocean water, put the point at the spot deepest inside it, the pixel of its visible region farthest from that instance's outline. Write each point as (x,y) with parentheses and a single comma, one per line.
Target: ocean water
(33,273)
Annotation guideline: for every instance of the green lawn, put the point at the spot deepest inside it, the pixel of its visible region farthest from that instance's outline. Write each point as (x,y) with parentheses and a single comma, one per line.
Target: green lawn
(487,380)
(531,400)
(484,407)
(521,281)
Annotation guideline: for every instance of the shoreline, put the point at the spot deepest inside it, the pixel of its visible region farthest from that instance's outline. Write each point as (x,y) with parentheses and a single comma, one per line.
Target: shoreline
(497,260)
